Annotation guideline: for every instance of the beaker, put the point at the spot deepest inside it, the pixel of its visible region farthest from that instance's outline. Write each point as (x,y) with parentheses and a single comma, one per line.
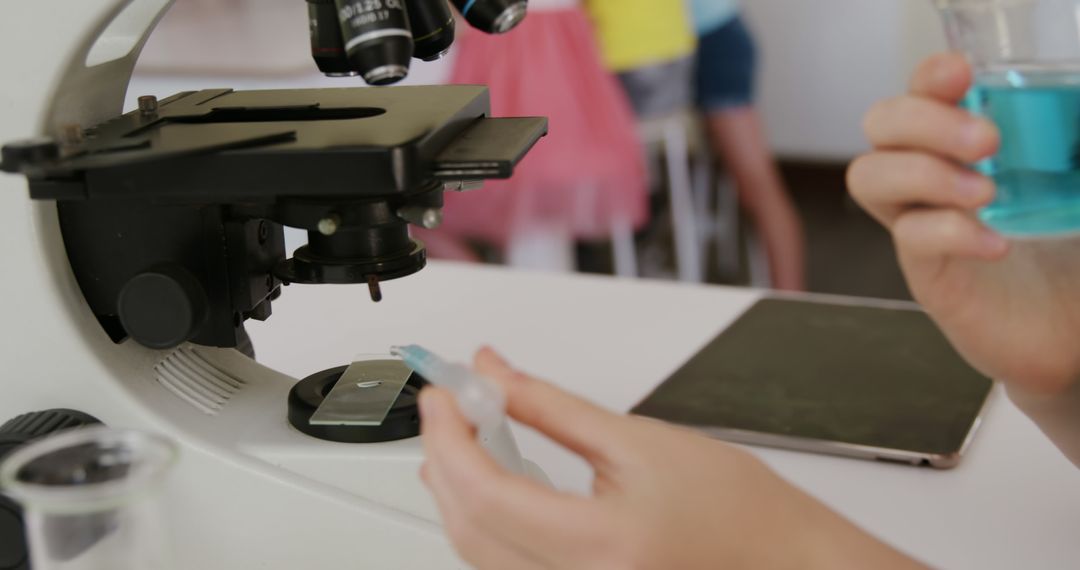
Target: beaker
(91,498)
(1026,59)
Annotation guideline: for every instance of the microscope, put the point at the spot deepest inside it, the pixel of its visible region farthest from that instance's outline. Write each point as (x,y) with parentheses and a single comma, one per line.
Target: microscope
(139,243)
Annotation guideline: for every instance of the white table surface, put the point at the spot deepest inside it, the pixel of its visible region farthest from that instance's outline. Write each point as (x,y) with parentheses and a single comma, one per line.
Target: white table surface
(1014,502)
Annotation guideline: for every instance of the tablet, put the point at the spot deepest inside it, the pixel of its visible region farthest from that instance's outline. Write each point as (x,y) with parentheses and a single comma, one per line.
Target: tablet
(853,378)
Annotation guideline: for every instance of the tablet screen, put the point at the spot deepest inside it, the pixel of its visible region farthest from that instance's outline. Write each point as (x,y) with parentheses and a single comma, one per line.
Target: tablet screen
(864,375)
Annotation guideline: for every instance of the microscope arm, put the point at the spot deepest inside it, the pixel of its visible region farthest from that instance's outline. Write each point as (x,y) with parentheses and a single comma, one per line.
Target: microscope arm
(172,215)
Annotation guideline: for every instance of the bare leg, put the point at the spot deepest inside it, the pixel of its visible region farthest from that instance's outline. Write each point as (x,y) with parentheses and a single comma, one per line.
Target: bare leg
(738,137)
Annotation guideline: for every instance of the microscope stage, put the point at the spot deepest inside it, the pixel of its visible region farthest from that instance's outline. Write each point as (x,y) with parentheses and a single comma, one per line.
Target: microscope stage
(224,146)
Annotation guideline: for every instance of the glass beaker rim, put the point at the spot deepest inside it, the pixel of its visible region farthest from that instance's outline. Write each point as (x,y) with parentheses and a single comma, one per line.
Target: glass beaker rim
(155,456)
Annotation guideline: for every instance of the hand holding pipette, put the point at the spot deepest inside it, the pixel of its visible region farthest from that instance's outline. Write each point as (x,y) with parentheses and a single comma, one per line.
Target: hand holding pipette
(480,399)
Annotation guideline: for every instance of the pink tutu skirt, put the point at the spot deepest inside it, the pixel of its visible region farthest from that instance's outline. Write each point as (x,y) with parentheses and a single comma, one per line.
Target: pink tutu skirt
(588,174)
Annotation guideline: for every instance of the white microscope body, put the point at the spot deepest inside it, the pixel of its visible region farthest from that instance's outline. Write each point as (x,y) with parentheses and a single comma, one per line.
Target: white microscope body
(249,490)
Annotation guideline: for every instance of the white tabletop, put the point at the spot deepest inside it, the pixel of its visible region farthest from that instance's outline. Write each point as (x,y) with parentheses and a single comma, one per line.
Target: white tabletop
(1014,502)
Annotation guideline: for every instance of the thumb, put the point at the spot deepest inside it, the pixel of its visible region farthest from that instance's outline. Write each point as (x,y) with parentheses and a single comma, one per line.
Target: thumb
(599,436)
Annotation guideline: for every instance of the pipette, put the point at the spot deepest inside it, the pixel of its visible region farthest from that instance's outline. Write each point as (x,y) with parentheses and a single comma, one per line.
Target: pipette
(480,399)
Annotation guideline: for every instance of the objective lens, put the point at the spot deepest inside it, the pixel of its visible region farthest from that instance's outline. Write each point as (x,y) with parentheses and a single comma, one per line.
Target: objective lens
(432,26)
(327,47)
(492,16)
(377,39)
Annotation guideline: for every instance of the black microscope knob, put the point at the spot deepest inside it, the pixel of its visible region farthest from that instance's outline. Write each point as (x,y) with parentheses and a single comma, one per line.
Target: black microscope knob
(33,425)
(14,433)
(13,554)
(162,307)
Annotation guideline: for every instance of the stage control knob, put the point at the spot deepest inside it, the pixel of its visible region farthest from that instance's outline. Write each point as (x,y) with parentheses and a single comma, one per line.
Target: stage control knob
(162,307)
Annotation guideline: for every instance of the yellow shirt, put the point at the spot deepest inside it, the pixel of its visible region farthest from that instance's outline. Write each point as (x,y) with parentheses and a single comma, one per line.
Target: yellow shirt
(639,33)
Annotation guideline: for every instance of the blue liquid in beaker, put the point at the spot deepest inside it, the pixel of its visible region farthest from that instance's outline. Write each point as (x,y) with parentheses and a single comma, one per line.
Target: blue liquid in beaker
(1037,169)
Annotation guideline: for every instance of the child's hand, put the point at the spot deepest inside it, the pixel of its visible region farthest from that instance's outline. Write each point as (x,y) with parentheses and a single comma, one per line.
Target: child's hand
(1015,314)
(662,498)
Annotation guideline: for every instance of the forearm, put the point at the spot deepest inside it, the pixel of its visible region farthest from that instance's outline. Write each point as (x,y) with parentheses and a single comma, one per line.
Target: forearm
(828,541)
(853,548)
(1057,415)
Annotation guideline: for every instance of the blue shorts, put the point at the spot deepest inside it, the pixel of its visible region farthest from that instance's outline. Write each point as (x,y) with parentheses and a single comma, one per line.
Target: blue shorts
(726,62)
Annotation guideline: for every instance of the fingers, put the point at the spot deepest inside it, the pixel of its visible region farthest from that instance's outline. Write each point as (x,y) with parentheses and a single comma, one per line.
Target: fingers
(911,122)
(491,364)
(480,549)
(478,496)
(919,137)
(946,233)
(447,432)
(945,77)
(588,430)
(886,184)
(488,553)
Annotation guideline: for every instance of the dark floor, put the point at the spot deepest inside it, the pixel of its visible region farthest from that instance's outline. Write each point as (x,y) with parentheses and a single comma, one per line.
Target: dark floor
(849,253)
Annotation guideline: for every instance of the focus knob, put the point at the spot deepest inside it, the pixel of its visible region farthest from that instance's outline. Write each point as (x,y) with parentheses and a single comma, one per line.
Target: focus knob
(163,307)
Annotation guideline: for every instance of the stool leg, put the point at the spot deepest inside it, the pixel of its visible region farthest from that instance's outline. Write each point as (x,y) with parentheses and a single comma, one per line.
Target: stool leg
(703,197)
(542,248)
(683,218)
(623,249)
(727,226)
(760,276)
